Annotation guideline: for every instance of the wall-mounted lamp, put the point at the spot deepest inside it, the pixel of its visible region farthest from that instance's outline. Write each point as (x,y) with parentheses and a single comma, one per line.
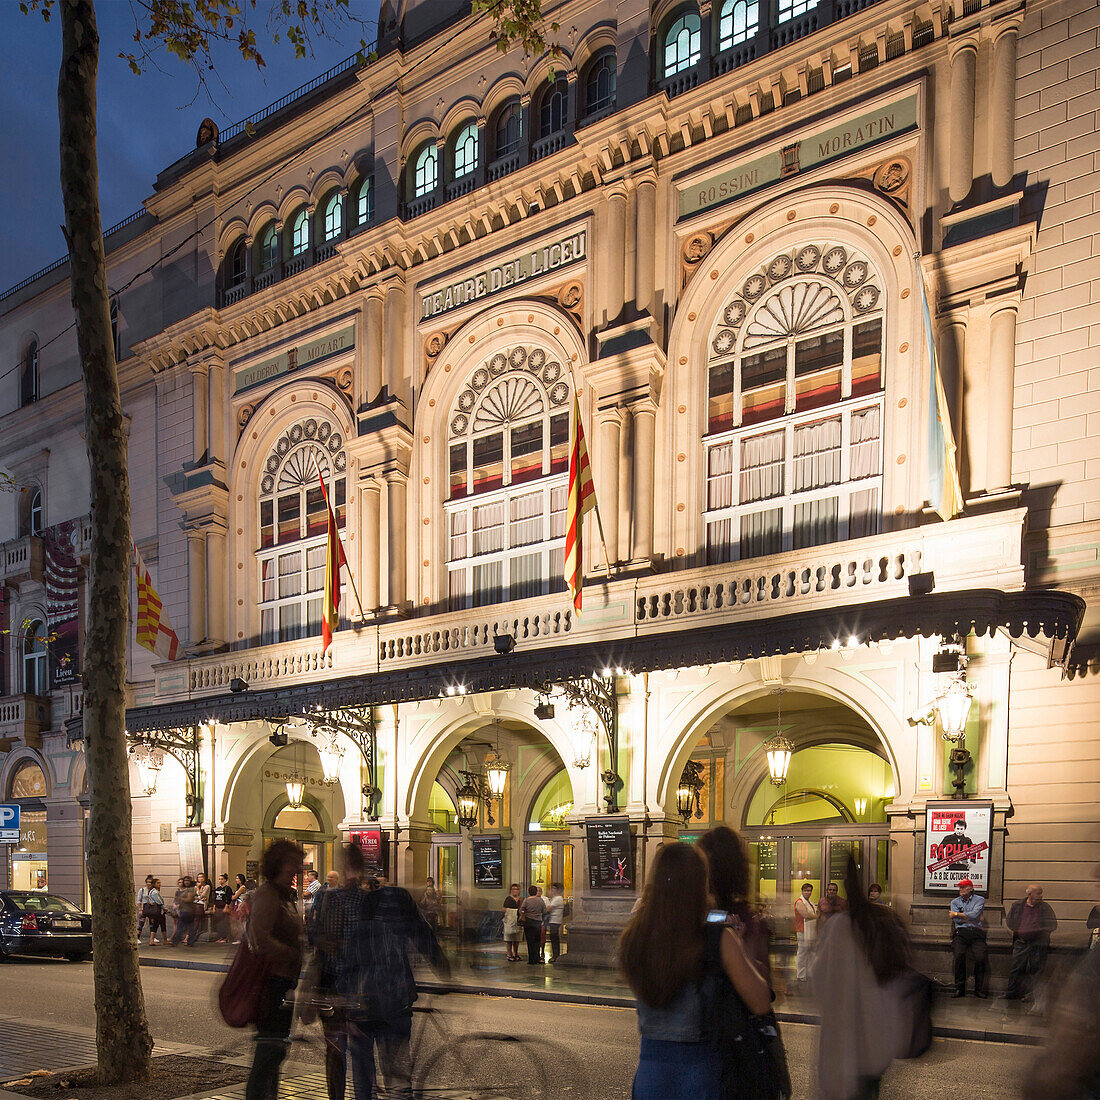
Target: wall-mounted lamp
(688,791)
(861,806)
(504,643)
(332,755)
(237,685)
(149,761)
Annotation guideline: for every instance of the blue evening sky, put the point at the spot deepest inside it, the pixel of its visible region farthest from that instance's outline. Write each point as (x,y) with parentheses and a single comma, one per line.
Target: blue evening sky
(145,122)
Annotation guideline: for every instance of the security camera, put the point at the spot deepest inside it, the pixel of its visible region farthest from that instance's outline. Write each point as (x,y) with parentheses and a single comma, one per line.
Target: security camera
(925,717)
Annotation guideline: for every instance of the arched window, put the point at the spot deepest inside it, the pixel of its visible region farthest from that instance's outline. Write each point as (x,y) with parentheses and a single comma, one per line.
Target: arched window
(508,463)
(28,387)
(682,44)
(33,513)
(236,265)
(294,527)
(36,679)
(737,22)
(299,232)
(554,108)
(426,171)
(508,131)
(791,9)
(333,217)
(553,804)
(599,84)
(795,410)
(465,151)
(269,247)
(29,781)
(364,201)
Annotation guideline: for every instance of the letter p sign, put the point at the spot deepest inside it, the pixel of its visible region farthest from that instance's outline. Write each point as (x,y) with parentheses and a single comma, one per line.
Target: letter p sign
(9,823)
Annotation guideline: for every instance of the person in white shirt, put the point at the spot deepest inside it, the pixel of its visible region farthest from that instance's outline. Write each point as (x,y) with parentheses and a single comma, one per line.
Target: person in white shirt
(805,927)
(555,915)
(142,898)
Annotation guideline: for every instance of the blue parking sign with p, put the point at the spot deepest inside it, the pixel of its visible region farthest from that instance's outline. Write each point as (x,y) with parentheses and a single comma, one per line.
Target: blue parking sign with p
(9,823)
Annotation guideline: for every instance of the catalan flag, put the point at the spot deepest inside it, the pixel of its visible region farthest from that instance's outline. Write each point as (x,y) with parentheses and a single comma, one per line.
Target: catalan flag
(943,491)
(153,629)
(582,497)
(334,560)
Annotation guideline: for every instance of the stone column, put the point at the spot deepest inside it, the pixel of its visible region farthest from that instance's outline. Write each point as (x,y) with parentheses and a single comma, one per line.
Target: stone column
(216,432)
(621,551)
(216,559)
(393,374)
(370,492)
(1002,373)
(396,497)
(608,487)
(198,413)
(645,244)
(645,422)
(372,349)
(1002,108)
(613,255)
(963,68)
(196,585)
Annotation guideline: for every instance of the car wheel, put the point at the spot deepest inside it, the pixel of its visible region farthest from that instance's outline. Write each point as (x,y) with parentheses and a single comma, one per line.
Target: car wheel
(77,957)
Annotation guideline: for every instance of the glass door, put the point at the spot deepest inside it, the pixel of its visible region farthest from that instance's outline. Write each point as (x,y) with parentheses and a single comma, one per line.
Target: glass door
(840,851)
(445,873)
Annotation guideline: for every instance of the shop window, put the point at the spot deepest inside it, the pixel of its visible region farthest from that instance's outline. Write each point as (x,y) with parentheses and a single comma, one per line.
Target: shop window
(28,376)
(794,426)
(508,463)
(299,233)
(554,108)
(682,44)
(294,528)
(465,154)
(426,171)
(737,23)
(36,680)
(333,217)
(599,84)
(508,131)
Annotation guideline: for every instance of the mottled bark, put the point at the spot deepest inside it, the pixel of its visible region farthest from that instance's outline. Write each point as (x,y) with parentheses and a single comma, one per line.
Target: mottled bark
(122,1033)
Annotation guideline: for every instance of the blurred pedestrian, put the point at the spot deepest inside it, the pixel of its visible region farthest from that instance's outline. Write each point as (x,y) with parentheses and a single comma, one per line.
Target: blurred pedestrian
(276,933)
(968,938)
(142,902)
(1031,921)
(805,931)
(202,903)
(430,904)
(157,918)
(664,957)
(555,917)
(874,893)
(512,930)
(531,911)
(862,956)
(222,894)
(186,913)
(830,904)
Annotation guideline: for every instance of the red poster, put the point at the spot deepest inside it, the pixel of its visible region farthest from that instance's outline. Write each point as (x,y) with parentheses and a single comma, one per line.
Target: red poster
(370,841)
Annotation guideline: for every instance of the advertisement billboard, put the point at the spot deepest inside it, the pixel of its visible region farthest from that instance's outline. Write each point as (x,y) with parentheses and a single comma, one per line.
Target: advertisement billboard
(957,838)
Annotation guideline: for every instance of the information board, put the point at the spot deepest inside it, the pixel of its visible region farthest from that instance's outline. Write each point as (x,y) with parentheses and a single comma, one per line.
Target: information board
(957,836)
(488,862)
(610,853)
(370,842)
(192,851)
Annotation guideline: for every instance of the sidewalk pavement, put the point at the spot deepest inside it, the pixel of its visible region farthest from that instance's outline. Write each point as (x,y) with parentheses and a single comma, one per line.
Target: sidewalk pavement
(488,972)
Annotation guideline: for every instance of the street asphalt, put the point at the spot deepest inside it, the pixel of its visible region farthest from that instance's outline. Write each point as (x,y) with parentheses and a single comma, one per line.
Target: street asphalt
(591,1051)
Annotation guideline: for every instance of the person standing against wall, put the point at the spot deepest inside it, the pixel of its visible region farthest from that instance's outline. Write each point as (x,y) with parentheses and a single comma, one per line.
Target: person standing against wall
(805,931)
(531,912)
(968,937)
(555,916)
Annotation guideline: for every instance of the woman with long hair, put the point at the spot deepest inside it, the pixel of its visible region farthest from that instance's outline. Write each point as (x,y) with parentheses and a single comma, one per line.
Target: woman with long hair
(662,953)
(860,956)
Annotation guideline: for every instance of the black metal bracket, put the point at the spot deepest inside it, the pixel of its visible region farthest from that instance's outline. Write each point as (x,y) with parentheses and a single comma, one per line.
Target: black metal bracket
(598,694)
(360,725)
(182,744)
(960,761)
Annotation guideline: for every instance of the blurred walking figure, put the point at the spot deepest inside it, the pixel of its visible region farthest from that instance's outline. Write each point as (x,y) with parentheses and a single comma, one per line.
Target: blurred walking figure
(377,989)
(1031,920)
(861,966)
(276,932)
(157,919)
(664,957)
(805,931)
(186,913)
(430,904)
(555,915)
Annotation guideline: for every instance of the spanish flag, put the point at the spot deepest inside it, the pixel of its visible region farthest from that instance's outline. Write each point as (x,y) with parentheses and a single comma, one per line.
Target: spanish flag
(154,632)
(334,561)
(943,491)
(582,497)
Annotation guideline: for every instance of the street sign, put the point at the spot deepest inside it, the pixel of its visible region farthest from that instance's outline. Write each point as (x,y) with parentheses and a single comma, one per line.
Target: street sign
(9,824)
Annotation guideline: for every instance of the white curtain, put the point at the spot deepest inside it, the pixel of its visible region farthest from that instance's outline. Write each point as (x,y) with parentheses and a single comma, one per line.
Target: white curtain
(866,456)
(558,499)
(458,535)
(488,528)
(526,519)
(488,583)
(815,522)
(721,544)
(864,514)
(720,476)
(762,459)
(525,576)
(761,533)
(817,454)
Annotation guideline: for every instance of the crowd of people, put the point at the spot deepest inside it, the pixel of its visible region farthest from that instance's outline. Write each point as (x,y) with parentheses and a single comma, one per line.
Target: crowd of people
(197,909)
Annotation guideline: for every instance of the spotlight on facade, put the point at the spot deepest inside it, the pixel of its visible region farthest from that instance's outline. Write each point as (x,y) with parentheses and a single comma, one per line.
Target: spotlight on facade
(504,643)
(544,709)
(279,738)
(237,685)
(861,806)
(921,584)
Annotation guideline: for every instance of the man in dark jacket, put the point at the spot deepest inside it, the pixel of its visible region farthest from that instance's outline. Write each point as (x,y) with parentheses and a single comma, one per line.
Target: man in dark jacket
(1031,921)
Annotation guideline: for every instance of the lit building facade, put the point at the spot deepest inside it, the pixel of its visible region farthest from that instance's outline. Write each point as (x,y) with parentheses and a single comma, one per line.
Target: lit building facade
(711,226)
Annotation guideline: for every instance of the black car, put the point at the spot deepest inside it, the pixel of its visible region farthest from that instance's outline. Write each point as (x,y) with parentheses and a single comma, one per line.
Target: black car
(35,923)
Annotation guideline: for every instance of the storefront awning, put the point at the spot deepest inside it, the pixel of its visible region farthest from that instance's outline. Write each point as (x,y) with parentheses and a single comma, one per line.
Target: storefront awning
(1054,615)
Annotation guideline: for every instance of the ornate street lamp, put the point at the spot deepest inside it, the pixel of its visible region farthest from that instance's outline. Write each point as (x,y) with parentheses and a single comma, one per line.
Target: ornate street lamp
(953,708)
(149,761)
(469,800)
(778,749)
(496,773)
(295,787)
(687,793)
(332,755)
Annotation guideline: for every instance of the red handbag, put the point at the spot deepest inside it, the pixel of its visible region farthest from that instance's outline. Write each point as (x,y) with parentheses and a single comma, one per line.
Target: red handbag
(240,993)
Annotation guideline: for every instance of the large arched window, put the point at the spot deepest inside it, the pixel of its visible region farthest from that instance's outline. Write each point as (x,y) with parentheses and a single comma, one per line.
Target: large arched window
(28,382)
(465,153)
(36,677)
(299,232)
(795,406)
(364,201)
(235,265)
(508,462)
(791,9)
(737,22)
(31,513)
(333,218)
(554,108)
(682,44)
(294,527)
(426,171)
(599,84)
(508,130)
(269,247)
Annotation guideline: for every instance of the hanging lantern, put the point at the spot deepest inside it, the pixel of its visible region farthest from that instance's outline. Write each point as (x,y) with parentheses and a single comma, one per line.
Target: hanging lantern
(331,754)
(687,792)
(496,773)
(779,750)
(149,761)
(468,798)
(295,791)
(953,708)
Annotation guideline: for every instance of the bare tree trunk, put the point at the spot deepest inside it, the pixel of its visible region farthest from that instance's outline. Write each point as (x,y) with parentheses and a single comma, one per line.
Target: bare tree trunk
(122,1033)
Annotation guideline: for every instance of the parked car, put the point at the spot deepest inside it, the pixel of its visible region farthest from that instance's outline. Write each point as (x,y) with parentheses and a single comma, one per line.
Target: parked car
(34,923)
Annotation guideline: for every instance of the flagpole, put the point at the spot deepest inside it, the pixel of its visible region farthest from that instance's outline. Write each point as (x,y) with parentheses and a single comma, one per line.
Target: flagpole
(351,575)
(595,496)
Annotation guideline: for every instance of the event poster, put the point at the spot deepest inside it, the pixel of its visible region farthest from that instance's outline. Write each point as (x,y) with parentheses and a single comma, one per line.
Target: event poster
(610,853)
(63,603)
(488,862)
(957,836)
(370,842)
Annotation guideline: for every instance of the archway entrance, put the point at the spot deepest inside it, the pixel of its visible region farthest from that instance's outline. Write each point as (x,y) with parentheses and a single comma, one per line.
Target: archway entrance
(831,807)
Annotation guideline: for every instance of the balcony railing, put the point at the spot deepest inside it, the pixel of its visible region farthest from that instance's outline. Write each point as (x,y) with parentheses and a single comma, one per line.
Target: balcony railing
(550,144)
(415,207)
(24,718)
(22,560)
(982,551)
(461,186)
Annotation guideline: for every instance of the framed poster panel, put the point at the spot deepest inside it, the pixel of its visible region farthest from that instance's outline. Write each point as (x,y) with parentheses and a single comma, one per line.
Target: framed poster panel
(488,862)
(610,853)
(370,842)
(957,839)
